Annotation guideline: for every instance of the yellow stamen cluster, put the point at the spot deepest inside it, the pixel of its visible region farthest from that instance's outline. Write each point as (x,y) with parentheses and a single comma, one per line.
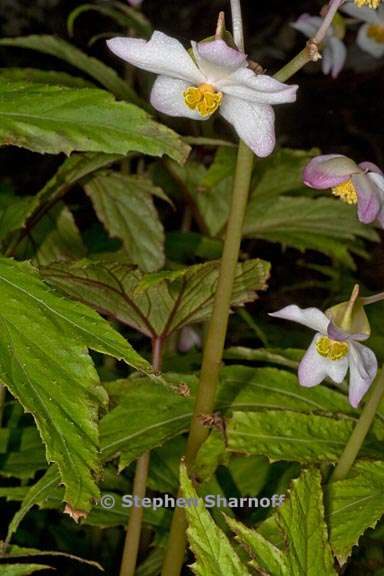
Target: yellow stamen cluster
(331,349)
(203,98)
(370,3)
(376,33)
(346,191)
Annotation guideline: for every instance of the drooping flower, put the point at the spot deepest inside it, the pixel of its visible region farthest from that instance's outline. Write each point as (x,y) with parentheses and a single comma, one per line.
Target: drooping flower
(217,77)
(370,37)
(360,184)
(332,352)
(334,50)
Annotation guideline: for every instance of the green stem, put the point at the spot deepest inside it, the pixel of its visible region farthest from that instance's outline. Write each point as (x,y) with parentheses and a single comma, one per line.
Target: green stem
(2,402)
(132,538)
(214,346)
(360,431)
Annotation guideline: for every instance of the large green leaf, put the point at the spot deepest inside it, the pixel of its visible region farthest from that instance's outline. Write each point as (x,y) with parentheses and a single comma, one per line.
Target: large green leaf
(43,77)
(353,505)
(214,554)
(21,569)
(301,519)
(147,415)
(125,206)
(94,68)
(43,362)
(266,556)
(57,119)
(285,435)
(322,224)
(156,304)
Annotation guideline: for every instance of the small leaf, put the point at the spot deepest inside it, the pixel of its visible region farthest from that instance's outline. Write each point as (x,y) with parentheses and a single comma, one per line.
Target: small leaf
(213,551)
(124,204)
(54,119)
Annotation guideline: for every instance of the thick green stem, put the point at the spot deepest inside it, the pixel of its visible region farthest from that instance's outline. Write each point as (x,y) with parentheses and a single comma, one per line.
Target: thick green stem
(360,431)
(2,402)
(132,538)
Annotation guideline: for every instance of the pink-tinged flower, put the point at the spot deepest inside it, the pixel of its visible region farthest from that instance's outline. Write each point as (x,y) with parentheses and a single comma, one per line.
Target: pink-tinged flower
(361,184)
(370,37)
(334,50)
(215,78)
(331,352)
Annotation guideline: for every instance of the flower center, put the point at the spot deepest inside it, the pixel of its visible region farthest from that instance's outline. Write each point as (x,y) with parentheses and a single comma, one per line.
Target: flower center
(203,98)
(346,191)
(376,32)
(369,3)
(331,349)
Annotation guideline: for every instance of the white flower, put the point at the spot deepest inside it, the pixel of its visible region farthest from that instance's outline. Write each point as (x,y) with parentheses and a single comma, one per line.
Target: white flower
(332,352)
(370,37)
(334,51)
(216,78)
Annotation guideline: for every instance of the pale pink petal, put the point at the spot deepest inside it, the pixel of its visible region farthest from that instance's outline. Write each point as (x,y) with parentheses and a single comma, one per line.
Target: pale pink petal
(254,123)
(336,333)
(368,204)
(338,53)
(368,44)
(257,88)
(167,97)
(370,167)
(329,170)
(310,317)
(313,368)
(217,60)
(161,55)
(364,14)
(363,369)
(307,24)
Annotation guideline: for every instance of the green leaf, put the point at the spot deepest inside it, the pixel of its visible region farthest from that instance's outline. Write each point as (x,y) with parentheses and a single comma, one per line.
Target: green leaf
(294,436)
(213,551)
(13,213)
(43,362)
(153,304)
(26,457)
(37,76)
(17,552)
(94,68)
(267,557)
(281,172)
(148,414)
(353,505)
(301,519)
(54,119)
(22,569)
(124,15)
(125,206)
(321,224)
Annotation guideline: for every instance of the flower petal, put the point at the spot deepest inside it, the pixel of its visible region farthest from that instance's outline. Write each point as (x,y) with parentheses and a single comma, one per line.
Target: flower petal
(338,53)
(368,44)
(254,123)
(329,170)
(313,367)
(336,333)
(368,204)
(161,55)
(370,167)
(217,60)
(167,97)
(310,317)
(257,88)
(364,14)
(307,24)
(363,369)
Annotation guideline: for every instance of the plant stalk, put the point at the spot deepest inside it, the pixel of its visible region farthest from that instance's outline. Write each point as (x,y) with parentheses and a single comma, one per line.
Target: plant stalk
(3,393)
(360,431)
(214,346)
(132,538)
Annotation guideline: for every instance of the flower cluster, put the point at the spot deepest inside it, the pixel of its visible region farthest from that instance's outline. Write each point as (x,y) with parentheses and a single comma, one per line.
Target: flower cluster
(215,78)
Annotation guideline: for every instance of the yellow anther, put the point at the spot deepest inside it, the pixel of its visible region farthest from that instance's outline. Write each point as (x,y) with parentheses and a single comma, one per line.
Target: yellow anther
(376,33)
(346,191)
(203,98)
(369,3)
(331,349)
